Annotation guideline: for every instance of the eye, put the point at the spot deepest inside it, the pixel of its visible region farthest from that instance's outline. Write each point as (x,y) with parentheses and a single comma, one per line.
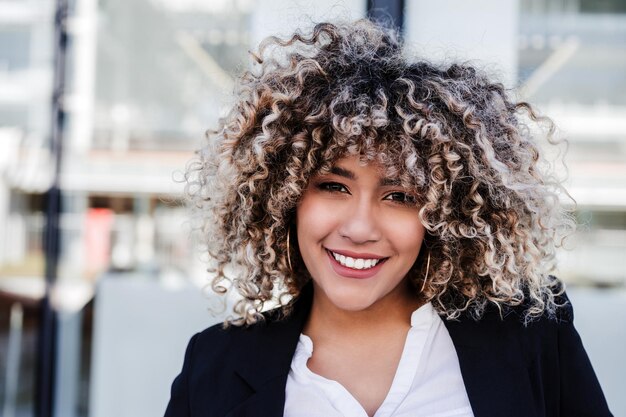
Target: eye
(333,187)
(401,197)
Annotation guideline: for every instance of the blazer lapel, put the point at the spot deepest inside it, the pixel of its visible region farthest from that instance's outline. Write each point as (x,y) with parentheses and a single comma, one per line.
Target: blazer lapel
(266,351)
(267,400)
(493,367)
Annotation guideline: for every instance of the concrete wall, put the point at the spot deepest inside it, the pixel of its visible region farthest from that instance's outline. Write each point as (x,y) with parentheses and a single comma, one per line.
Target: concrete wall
(483,31)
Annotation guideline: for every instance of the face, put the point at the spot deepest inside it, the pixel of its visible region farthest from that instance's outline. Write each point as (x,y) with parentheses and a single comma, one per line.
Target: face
(359,234)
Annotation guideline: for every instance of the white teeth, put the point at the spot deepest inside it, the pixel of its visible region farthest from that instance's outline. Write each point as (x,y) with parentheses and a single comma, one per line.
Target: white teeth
(358,263)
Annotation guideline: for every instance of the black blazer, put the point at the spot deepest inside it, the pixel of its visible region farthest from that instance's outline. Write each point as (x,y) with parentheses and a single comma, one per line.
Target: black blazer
(509,370)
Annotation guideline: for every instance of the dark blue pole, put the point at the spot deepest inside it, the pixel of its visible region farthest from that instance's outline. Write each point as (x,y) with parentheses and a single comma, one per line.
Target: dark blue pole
(46,344)
(391,11)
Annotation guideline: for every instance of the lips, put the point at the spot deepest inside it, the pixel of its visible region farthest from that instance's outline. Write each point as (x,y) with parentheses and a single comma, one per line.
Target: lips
(364,265)
(355,262)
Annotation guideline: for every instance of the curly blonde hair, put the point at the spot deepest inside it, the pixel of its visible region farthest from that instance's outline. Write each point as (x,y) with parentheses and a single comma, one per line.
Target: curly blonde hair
(490,207)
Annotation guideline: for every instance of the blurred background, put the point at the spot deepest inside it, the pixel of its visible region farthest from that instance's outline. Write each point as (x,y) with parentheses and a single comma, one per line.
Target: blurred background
(129,87)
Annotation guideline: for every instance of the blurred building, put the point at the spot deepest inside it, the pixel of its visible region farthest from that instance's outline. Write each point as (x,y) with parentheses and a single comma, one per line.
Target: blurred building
(137,103)
(145,78)
(144,81)
(572,58)
(25,97)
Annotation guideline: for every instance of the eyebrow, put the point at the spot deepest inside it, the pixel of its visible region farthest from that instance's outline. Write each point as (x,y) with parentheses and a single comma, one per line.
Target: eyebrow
(342,172)
(346,173)
(390,181)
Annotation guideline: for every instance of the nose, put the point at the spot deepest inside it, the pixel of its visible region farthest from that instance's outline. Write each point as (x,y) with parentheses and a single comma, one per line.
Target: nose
(361,223)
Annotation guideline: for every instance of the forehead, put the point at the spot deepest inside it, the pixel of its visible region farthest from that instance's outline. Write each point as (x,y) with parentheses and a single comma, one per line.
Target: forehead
(381,163)
(354,169)
(393,154)
(351,165)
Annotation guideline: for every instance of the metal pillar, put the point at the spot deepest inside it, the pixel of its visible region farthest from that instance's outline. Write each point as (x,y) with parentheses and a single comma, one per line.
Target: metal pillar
(391,11)
(46,346)
(67,378)
(14,360)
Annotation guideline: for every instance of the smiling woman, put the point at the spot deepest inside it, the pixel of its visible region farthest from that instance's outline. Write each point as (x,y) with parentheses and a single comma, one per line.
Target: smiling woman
(358,237)
(402,209)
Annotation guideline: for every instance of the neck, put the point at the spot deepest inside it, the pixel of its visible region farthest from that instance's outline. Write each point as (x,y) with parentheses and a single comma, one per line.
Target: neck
(390,314)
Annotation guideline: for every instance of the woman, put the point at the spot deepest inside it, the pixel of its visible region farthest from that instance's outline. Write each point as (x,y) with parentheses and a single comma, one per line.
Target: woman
(398,214)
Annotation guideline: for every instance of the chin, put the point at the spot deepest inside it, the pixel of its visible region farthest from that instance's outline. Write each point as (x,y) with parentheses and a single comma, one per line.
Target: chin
(350,300)
(351,305)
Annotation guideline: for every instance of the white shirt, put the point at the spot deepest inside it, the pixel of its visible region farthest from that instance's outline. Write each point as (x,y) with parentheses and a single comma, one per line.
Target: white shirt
(427,383)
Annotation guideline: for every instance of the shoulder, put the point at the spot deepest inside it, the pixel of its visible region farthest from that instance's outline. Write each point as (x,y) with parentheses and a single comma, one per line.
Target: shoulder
(553,307)
(228,347)
(208,348)
(275,334)
(512,325)
(222,338)
(223,366)
(542,329)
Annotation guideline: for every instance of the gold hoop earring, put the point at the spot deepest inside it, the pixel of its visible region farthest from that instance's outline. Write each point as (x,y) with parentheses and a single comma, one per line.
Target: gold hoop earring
(427,269)
(289,249)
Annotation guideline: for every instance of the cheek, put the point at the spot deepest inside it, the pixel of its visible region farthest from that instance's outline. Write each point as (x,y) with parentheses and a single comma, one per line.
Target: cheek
(305,217)
(314,223)
(306,224)
(408,233)
(314,217)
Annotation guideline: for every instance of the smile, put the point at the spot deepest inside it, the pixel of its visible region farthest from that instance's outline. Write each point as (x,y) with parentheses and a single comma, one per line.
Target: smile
(355,263)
